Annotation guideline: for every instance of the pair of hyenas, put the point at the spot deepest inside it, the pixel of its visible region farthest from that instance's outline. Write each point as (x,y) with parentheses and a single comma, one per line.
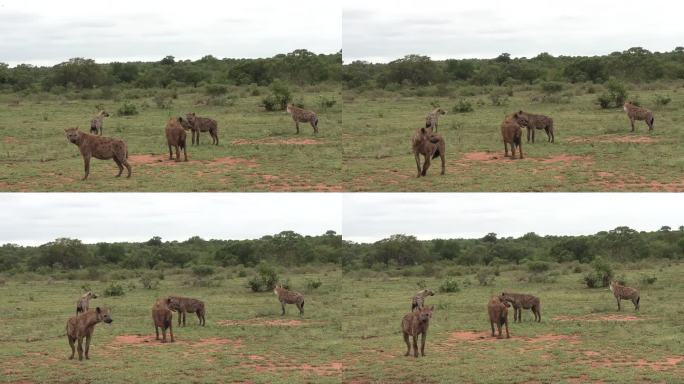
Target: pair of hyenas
(162,315)
(511,130)
(497,308)
(428,143)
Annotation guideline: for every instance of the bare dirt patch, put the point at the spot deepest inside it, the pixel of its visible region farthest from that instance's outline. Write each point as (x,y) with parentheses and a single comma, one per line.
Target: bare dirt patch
(612,139)
(277,142)
(598,318)
(482,156)
(609,182)
(163,159)
(10,140)
(479,336)
(489,157)
(150,340)
(661,365)
(262,364)
(268,322)
(234,161)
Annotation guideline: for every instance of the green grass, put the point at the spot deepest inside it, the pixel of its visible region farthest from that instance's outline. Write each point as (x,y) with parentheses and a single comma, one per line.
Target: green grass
(258,151)
(378,126)
(34,348)
(375,304)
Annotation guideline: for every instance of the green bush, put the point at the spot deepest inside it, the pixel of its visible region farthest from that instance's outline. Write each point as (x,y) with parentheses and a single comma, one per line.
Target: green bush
(148,281)
(279,97)
(326,103)
(127,109)
(662,100)
(216,90)
(202,270)
(550,87)
(616,94)
(604,100)
(648,280)
(449,284)
(485,276)
(463,106)
(601,275)
(113,290)
(538,266)
(313,284)
(162,102)
(265,280)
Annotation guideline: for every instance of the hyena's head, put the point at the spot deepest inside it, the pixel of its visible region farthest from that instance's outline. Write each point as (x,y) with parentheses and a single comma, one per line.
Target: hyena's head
(104,114)
(425,313)
(505,299)
(429,292)
(277,289)
(91,295)
(441,111)
(289,107)
(191,117)
(185,123)
(103,315)
(521,118)
(173,303)
(612,285)
(73,135)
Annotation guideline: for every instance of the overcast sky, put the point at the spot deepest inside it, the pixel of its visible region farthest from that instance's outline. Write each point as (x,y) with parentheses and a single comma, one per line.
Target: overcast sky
(37,218)
(370,217)
(384,30)
(45,32)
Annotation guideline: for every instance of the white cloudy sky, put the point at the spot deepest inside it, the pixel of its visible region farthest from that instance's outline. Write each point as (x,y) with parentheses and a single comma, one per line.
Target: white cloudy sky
(384,30)
(37,218)
(370,217)
(45,32)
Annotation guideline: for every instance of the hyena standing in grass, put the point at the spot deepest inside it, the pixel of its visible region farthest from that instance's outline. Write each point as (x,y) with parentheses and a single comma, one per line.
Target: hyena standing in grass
(638,113)
(289,297)
(521,301)
(103,148)
(96,123)
(533,122)
(432,118)
(175,138)
(430,145)
(185,305)
(498,314)
(625,293)
(414,324)
(83,325)
(83,303)
(202,124)
(162,317)
(300,115)
(418,300)
(511,133)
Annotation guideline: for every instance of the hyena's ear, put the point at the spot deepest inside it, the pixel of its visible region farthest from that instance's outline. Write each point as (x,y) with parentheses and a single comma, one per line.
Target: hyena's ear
(520,112)
(180,119)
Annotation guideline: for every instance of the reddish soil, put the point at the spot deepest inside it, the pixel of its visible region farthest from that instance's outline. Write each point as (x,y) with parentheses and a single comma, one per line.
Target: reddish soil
(612,139)
(150,340)
(598,318)
(663,365)
(476,337)
(10,140)
(234,161)
(269,322)
(482,156)
(489,157)
(163,159)
(261,364)
(277,142)
(608,182)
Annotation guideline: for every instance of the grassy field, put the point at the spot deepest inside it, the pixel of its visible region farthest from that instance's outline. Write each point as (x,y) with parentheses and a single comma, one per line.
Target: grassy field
(258,151)
(594,149)
(245,338)
(581,338)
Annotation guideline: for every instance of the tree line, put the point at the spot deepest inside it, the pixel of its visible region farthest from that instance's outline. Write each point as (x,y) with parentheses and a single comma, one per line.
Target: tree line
(620,245)
(634,65)
(286,248)
(300,67)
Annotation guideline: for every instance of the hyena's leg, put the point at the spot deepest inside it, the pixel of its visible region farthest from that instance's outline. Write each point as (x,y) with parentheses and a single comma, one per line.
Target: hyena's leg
(124,161)
(179,317)
(553,136)
(498,328)
(163,334)
(417,156)
(508,335)
(156,330)
(533,134)
(529,134)
(492,324)
(618,301)
(408,344)
(185,151)
(282,305)
(86,164)
(171,330)
(422,343)
(118,164)
(505,149)
(80,348)
(415,345)
(442,157)
(513,150)
(72,343)
(631,121)
(170,152)
(548,135)
(426,164)
(297,125)
(520,149)
(87,346)
(184,318)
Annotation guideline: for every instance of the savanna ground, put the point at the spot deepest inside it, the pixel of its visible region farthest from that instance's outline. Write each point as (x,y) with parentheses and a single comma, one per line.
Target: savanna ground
(258,150)
(245,339)
(582,337)
(594,148)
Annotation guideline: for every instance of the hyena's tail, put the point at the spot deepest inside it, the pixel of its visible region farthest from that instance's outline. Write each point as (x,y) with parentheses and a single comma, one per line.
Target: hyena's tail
(652,121)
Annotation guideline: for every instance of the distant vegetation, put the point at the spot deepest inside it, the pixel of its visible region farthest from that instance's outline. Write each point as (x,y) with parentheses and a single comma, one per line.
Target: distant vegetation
(299,67)
(635,65)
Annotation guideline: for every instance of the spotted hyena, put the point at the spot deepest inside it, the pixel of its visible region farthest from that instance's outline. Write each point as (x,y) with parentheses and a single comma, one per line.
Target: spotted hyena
(498,314)
(175,138)
(162,317)
(184,305)
(432,118)
(430,145)
(521,301)
(103,148)
(533,122)
(414,324)
(83,325)
(625,293)
(97,122)
(511,133)
(289,297)
(83,303)
(638,113)
(418,299)
(300,115)
(202,124)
